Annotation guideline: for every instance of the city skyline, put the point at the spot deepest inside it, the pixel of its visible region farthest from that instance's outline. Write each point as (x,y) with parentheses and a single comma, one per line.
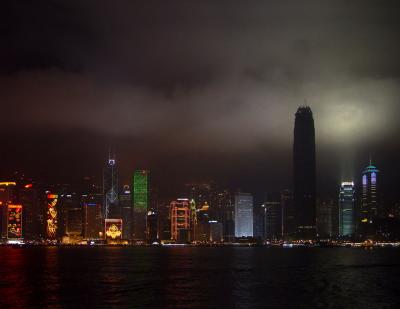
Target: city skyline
(199,154)
(84,84)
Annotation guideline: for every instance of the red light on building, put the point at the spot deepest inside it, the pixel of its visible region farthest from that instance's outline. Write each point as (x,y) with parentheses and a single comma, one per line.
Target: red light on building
(180,218)
(28,186)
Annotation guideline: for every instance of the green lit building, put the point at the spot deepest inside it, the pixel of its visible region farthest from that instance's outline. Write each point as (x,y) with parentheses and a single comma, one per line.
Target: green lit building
(140,203)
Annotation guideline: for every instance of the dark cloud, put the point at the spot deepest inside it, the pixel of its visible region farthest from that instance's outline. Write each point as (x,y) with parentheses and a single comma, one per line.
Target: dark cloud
(217,83)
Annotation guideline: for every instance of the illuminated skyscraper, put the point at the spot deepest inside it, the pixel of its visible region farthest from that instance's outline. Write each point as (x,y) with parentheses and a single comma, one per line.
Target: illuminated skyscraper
(8,195)
(110,188)
(370,201)
(140,203)
(304,173)
(243,215)
(180,220)
(347,209)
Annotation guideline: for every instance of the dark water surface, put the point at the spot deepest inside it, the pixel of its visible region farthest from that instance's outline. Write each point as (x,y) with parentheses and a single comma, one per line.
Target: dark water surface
(188,277)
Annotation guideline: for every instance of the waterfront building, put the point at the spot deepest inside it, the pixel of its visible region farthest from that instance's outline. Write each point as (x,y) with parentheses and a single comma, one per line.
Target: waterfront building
(113,230)
(32,214)
(152,226)
(14,221)
(370,209)
(140,204)
(92,216)
(288,214)
(51,215)
(180,220)
(326,218)
(304,173)
(243,215)
(272,208)
(126,206)
(110,189)
(347,209)
(71,213)
(216,231)
(8,195)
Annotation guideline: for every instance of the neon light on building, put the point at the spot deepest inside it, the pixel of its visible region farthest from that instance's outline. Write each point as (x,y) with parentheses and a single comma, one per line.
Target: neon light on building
(113,229)
(180,217)
(347,209)
(14,222)
(52,200)
(140,190)
(140,203)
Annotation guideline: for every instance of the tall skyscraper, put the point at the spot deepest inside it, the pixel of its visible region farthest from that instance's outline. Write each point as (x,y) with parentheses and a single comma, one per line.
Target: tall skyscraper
(126,205)
(110,188)
(347,209)
(140,203)
(243,215)
(370,202)
(304,173)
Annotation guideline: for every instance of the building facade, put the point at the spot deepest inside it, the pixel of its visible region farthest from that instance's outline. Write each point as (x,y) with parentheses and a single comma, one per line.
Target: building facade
(180,220)
(140,204)
(243,215)
(370,210)
(347,209)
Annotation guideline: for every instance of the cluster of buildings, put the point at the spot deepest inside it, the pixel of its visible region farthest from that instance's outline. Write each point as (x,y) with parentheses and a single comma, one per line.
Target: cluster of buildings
(134,213)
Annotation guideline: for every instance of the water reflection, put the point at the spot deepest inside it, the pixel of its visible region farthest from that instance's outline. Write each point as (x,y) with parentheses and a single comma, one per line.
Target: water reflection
(187,277)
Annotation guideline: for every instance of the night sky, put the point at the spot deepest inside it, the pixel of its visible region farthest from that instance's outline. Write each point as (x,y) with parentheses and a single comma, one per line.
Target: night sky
(199,90)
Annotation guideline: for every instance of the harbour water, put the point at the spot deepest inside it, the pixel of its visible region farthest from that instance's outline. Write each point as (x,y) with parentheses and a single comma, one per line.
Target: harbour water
(199,277)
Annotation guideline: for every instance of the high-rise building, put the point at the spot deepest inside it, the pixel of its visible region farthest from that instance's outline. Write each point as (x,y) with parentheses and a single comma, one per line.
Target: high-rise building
(126,205)
(370,202)
(52,215)
(8,195)
(243,215)
(14,221)
(304,173)
(110,189)
(140,203)
(272,216)
(70,215)
(152,226)
(215,231)
(347,209)
(180,220)
(288,214)
(92,216)
(28,197)
(326,218)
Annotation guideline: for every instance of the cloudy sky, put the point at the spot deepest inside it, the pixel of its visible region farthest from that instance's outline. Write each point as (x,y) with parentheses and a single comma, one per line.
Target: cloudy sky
(199,89)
